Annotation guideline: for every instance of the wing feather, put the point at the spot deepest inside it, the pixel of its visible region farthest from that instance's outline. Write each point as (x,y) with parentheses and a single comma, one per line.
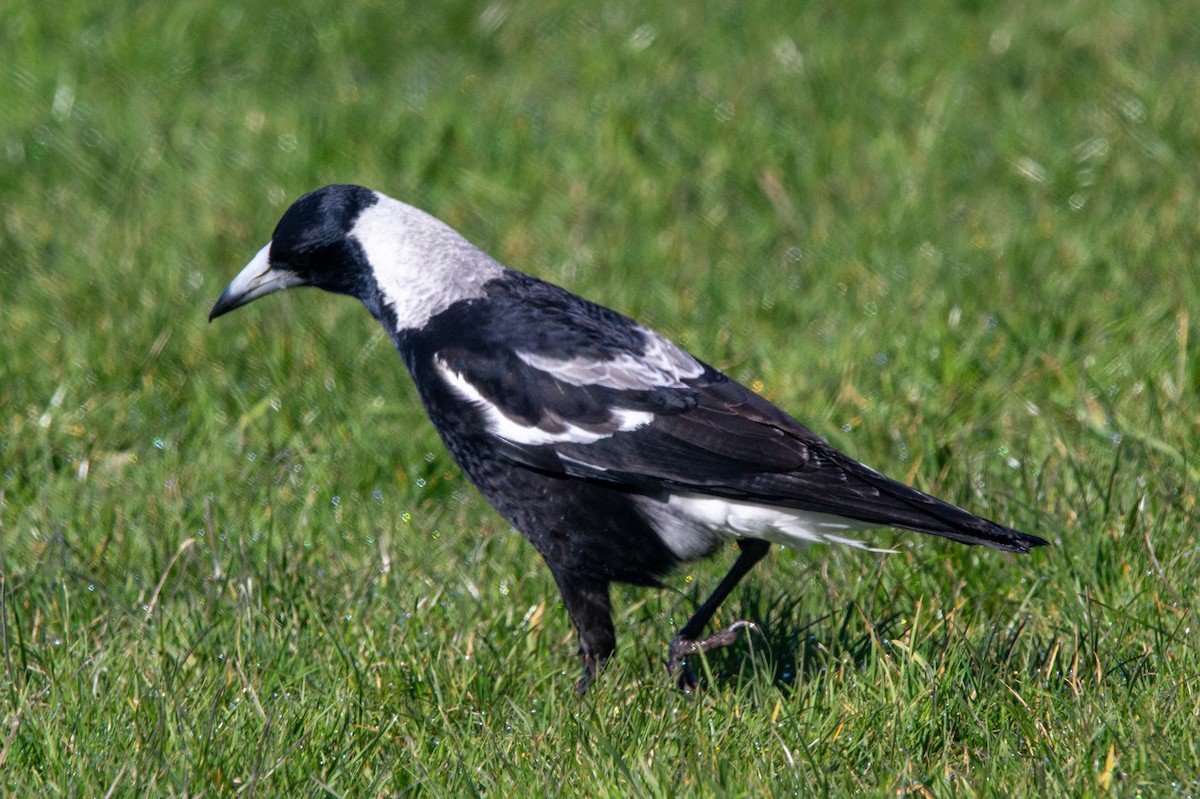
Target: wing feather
(627,406)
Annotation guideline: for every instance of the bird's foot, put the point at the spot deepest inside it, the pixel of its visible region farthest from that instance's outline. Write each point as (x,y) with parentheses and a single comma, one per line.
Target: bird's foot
(583,683)
(677,659)
(592,666)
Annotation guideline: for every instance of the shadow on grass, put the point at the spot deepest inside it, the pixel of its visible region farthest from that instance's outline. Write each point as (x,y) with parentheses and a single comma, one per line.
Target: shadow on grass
(791,649)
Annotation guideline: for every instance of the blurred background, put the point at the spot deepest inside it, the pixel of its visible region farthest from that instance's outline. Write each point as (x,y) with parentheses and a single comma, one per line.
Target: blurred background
(956,238)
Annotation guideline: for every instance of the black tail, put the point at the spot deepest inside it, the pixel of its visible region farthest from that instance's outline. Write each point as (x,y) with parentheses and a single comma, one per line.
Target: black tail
(899,505)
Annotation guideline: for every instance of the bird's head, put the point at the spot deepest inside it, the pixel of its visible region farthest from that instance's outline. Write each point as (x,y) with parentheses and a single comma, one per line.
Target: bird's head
(312,245)
(403,264)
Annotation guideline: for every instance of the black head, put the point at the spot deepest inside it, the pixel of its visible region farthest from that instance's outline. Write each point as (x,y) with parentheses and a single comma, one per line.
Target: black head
(311,246)
(312,238)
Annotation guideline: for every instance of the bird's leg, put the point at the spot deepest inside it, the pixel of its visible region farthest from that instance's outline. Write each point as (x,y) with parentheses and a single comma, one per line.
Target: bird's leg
(688,642)
(590,610)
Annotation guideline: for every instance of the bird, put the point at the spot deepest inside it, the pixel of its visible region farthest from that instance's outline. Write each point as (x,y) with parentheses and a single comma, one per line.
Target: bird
(615,452)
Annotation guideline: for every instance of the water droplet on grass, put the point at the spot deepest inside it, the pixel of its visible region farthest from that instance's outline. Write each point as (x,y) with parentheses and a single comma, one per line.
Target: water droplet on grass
(642,38)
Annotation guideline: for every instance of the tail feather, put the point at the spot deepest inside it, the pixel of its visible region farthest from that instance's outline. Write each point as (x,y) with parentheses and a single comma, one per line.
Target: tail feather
(910,509)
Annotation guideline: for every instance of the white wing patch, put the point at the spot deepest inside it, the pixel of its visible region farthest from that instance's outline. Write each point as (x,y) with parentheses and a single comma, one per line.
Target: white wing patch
(691,523)
(504,426)
(662,365)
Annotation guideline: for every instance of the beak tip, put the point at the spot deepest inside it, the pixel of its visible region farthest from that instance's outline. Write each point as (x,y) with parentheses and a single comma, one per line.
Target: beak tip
(223,305)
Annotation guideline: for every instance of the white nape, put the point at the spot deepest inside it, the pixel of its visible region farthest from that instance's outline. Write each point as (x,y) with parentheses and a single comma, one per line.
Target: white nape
(421,264)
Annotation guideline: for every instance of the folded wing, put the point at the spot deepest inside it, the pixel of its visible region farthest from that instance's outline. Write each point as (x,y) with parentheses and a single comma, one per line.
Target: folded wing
(636,410)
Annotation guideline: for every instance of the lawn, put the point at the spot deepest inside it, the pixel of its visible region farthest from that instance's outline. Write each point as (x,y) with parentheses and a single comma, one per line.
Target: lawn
(958,239)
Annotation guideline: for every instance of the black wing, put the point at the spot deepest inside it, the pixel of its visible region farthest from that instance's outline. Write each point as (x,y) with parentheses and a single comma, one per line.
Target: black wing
(589,393)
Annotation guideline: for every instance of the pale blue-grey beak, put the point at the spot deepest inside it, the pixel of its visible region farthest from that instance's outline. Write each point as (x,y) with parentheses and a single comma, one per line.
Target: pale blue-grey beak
(258,279)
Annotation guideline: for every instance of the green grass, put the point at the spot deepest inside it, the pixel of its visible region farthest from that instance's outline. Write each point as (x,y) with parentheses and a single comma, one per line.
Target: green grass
(957,239)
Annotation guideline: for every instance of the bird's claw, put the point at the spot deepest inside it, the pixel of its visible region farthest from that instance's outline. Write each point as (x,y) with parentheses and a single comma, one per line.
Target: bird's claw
(682,647)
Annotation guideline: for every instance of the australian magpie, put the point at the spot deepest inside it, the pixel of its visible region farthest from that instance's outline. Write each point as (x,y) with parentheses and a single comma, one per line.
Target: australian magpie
(616,453)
